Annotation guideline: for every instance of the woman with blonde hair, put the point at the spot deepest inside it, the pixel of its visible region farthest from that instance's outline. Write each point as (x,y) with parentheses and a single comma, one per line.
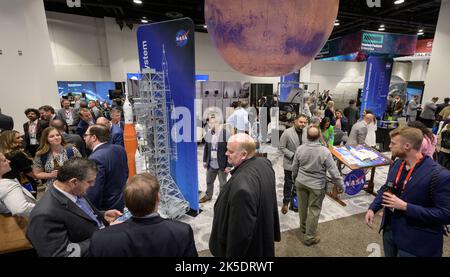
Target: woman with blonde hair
(20,161)
(52,153)
(329,112)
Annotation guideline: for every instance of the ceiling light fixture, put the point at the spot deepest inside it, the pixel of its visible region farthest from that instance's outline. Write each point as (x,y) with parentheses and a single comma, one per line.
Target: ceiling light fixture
(337,23)
(204,26)
(139,2)
(420,33)
(398,2)
(144,21)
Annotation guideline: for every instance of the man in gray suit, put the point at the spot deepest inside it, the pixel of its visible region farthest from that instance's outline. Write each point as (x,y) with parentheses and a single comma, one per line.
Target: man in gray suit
(69,115)
(428,114)
(289,141)
(63,221)
(359,131)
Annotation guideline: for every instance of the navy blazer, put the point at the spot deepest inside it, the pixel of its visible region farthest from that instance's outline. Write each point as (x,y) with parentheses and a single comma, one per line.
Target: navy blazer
(222,159)
(419,230)
(144,237)
(116,136)
(57,221)
(112,174)
(6,122)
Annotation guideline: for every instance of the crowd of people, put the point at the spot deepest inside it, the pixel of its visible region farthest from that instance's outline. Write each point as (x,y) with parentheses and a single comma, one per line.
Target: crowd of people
(77,155)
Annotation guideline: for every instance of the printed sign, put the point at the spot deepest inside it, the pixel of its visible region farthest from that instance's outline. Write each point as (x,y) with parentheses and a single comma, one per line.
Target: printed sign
(354,182)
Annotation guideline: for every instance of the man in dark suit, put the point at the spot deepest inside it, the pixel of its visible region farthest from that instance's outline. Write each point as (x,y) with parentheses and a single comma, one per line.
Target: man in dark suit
(116,117)
(214,158)
(246,222)
(63,221)
(33,130)
(6,122)
(145,234)
(352,114)
(116,132)
(416,198)
(69,138)
(86,120)
(107,192)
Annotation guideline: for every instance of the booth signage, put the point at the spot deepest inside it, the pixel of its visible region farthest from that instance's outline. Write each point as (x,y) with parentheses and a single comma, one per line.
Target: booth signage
(172,43)
(354,182)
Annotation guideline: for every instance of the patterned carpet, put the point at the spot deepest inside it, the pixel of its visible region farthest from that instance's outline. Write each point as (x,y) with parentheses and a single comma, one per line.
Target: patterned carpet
(331,210)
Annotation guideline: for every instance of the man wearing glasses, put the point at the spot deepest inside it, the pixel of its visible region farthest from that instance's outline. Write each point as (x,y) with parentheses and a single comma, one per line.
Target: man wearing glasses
(111,160)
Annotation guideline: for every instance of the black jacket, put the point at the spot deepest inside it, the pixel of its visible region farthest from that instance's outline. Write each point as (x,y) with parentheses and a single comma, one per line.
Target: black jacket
(144,237)
(41,125)
(221,150)
(246,222)
(56,222)
(6,122)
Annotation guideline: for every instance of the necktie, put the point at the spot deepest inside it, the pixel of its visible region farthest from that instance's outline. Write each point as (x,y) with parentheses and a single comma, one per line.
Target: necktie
(83,204)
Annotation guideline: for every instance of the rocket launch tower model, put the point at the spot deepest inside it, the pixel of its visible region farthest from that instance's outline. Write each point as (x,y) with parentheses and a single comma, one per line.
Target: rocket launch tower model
(152,107)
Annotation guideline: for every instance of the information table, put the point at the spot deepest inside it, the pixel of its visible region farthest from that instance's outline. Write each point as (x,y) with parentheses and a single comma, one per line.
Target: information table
(358,157)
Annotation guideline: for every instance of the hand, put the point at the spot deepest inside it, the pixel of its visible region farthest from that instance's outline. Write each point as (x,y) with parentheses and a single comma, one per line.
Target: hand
(227,170)
(112,215)
(205,165)
(392,201)
(54,173)
(369,218)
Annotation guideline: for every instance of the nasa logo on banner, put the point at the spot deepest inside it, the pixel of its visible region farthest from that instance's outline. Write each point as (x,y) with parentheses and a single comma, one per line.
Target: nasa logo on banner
(182,38)
(354,182)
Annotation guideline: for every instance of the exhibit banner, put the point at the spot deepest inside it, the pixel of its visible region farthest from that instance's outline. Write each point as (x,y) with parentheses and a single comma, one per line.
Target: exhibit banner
(376,85)
(342,46)
(169,47)
(287,83)
(388,44)
(354,182)
(424,48)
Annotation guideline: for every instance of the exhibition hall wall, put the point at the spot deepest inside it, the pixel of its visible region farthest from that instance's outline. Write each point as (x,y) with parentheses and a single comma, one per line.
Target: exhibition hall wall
(27,73)
(438,82)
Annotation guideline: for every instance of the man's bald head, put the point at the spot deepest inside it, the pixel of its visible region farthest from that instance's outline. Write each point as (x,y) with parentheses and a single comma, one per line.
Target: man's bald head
(240,147)
(245,142)
(103,121)
(313,133)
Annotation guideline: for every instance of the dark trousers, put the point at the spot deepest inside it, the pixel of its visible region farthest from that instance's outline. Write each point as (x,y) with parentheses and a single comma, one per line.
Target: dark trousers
(288,194)
(428,122)
(390,248)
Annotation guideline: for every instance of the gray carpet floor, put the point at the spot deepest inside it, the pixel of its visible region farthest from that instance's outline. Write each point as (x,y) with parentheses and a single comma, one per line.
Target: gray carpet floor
(345,237)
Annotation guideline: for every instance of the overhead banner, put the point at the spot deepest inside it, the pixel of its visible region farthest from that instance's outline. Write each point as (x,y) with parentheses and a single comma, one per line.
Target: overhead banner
(424,48)
(172,43)
(376,85)
(359,46)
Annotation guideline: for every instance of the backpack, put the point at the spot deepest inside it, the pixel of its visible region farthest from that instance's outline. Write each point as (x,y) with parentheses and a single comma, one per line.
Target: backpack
(445,139)
(69,155)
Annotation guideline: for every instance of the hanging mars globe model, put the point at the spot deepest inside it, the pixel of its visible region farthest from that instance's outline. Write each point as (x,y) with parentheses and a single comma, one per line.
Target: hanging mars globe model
(269,37)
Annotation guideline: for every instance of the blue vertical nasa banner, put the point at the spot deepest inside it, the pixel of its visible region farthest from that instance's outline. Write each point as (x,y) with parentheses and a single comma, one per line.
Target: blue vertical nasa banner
(376,85)
(173,41)
(287,83)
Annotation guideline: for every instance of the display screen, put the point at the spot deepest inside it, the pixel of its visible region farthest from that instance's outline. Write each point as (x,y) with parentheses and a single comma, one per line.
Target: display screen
(92,90)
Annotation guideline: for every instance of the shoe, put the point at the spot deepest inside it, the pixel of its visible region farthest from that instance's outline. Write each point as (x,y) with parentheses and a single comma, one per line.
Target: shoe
(315,241)
(284,209)
(204,199)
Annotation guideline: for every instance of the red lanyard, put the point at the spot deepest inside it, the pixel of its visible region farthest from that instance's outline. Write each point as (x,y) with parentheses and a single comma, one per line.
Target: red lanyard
(399,173)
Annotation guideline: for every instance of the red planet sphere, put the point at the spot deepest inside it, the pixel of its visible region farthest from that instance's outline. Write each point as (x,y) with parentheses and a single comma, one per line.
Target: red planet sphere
(269,37)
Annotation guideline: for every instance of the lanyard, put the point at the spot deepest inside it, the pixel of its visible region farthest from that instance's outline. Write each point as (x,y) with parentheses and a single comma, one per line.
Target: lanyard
(408,176)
